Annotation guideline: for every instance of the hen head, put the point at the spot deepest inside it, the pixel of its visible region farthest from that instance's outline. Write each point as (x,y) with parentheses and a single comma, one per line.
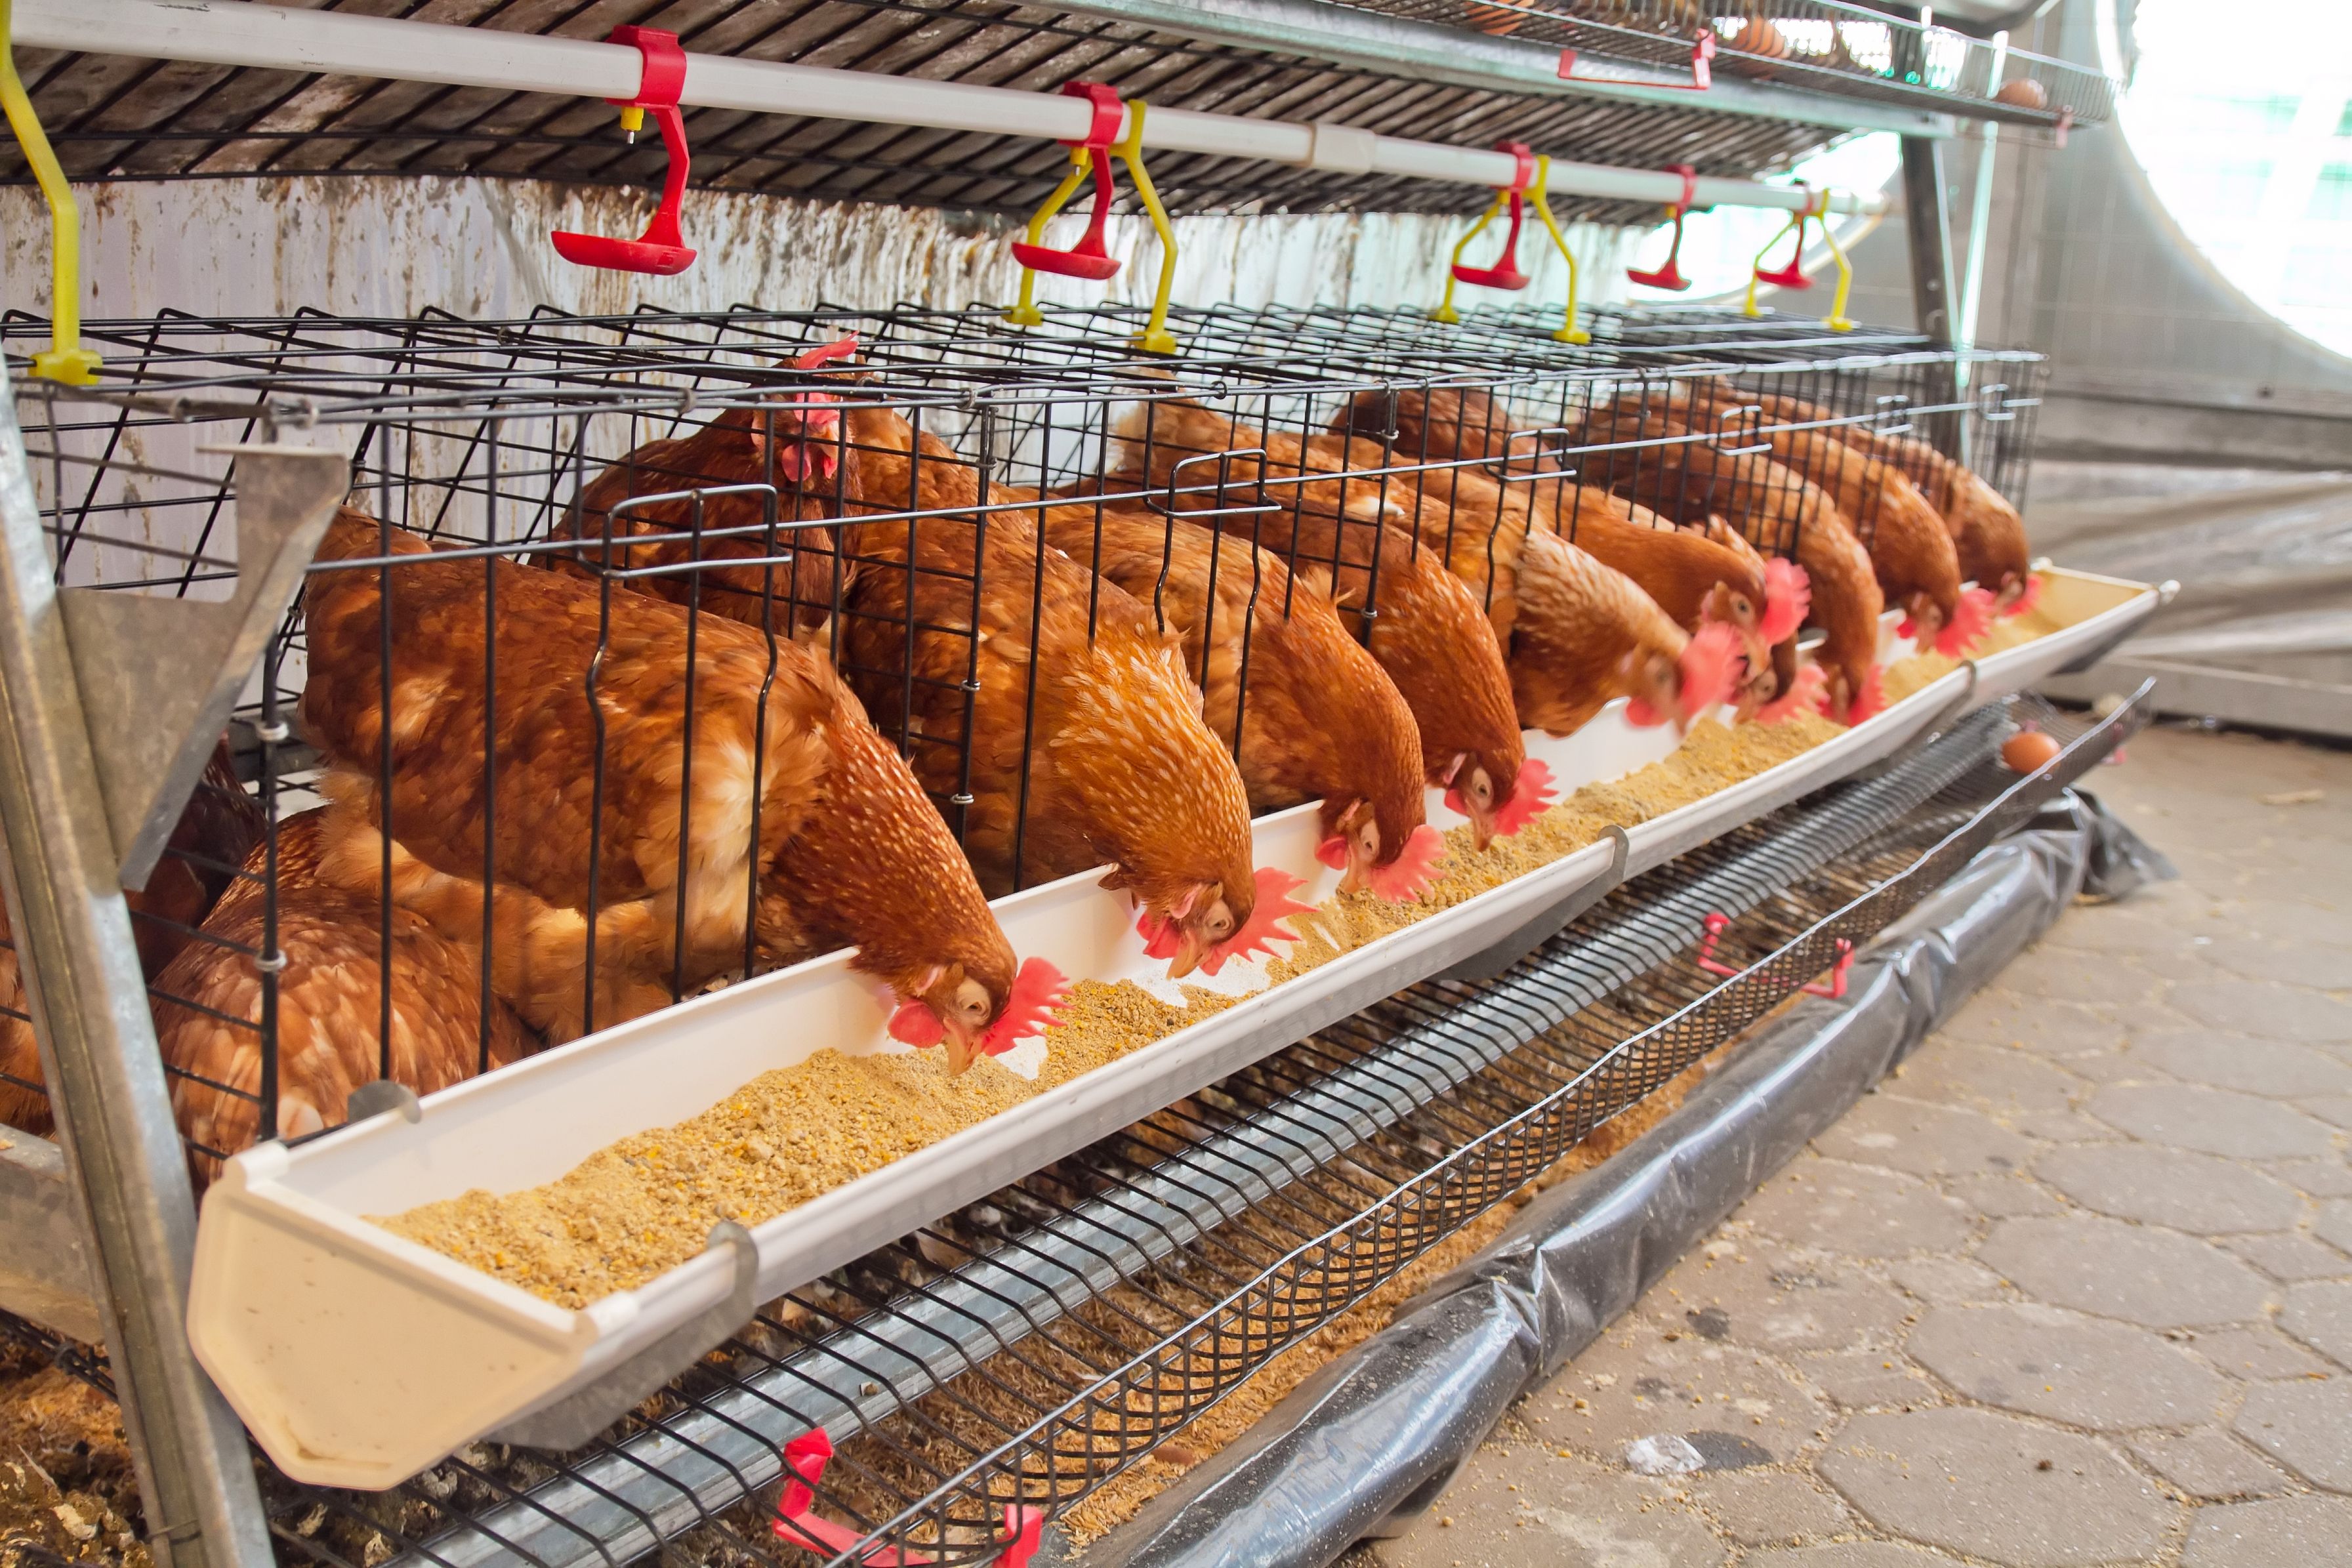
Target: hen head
(972,1016)
(1194,927)
(1923,618)
(1684,687)
(1496,809)
(1394,858)
(1184,940)
(805,425)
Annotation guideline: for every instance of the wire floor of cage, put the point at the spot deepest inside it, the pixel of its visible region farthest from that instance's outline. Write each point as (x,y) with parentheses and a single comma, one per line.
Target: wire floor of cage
(1040,1348)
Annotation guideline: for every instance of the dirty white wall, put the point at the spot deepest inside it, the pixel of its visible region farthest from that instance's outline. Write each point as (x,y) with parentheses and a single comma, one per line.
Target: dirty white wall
(391,246)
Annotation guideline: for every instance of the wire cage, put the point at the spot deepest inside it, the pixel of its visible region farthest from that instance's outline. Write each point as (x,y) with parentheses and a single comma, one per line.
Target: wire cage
(1027,1351)
(750,499)
(1827,45)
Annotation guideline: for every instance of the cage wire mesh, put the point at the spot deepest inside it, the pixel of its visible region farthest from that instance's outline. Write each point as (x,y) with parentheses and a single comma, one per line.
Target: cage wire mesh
(734,469)
(704,461)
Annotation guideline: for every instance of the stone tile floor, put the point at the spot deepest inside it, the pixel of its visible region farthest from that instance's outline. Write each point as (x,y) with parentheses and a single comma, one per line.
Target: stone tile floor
(2070,1289)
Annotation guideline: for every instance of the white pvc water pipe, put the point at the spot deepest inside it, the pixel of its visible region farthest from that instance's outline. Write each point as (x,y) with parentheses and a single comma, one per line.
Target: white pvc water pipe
(337,43)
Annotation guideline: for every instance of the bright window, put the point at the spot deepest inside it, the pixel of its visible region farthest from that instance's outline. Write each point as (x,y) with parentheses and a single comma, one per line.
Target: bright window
(2240,113)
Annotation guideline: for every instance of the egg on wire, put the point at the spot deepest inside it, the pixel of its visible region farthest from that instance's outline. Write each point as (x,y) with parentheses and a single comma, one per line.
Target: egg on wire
(2029,751)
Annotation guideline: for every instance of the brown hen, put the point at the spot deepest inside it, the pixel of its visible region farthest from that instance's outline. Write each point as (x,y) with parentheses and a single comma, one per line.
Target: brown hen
(1694,578)
(757,553)
(1344,537)
(330,996)
(217,827)
(1311,714)
(723,806)
(1692,480)
(1120,766)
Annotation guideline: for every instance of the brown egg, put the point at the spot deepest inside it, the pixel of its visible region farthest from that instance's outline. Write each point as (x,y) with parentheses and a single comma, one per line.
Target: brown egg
(2023,93)
(1496,19)
(2028,751)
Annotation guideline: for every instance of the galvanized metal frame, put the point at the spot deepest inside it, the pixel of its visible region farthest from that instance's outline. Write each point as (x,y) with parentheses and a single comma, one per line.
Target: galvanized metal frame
(120,1149)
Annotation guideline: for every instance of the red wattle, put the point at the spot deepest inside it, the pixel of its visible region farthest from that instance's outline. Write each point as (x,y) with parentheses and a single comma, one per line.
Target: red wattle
(1414,870)
(914,1024)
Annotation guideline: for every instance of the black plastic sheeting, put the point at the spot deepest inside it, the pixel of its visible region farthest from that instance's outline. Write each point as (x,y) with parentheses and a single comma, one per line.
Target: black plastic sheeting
(1375,1435)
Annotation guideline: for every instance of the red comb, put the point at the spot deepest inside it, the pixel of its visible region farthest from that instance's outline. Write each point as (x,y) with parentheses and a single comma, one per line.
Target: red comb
(826,354)
(1872,698)
(2031,596)
(1273,902)
(1787,595)
(1708,667)
(796,462)
(1803,696)
(1415,867)
(1971,618)
(1531,792)
(1029,1007)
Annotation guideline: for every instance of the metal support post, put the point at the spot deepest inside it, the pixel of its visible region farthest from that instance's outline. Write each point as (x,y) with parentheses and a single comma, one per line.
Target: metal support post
(1928,224)
(97,1050)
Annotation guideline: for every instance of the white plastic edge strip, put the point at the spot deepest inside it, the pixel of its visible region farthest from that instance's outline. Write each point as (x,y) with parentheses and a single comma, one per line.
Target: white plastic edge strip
(275,37)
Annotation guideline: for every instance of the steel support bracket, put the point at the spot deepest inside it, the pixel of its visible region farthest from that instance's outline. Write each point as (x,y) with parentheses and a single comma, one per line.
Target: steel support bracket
(575,1419)
(46,1273)
(1493,960)
(154,720)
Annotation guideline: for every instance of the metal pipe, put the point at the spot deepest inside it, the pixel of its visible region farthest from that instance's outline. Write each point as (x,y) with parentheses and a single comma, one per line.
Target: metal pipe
(338,43)
(99,1059)
(1980,225)
(1437,51)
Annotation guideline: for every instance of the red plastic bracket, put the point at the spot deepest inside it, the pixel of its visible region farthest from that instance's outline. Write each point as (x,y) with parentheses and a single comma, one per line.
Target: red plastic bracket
(1505,273)
(1702,69)
(804,1461)
(1087,258)
(1794,276)
(660,250)
(1717,921)
(1670,276)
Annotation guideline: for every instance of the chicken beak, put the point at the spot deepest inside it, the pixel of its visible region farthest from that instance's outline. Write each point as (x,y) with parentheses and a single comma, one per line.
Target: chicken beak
(1359,868)
(1190,950)
(962,1045)
(1481,826)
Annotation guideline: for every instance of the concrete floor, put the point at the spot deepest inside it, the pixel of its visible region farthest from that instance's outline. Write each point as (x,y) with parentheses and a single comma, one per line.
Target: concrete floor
(2070,1289)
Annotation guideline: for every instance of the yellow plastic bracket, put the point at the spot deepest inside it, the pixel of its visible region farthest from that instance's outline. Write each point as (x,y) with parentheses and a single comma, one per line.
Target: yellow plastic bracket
(67,360)
(1155,338)
(1025,313)
(1756,266)
(1446,310)
(1570,332)
(1837,321)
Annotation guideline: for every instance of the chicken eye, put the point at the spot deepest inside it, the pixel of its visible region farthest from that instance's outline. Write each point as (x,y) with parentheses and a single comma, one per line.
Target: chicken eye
(1482,789)
(1218,922)
(1740,607)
